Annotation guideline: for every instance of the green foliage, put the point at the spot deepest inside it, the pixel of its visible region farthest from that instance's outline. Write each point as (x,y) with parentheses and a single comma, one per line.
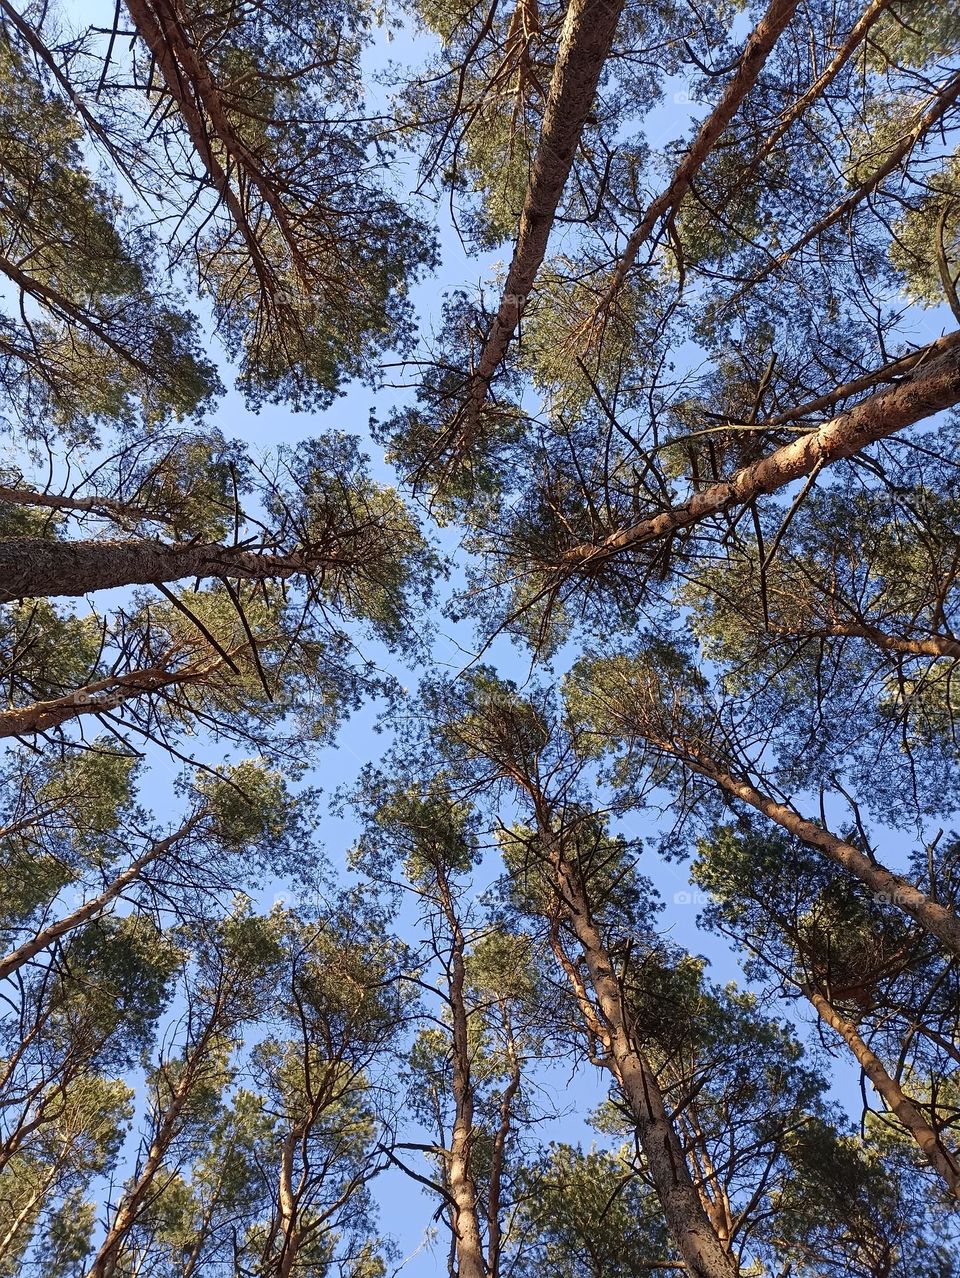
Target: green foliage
(63,1249)
(96,785)
(60,823)
(927,246)
(248,804)
(117,980)
(587,1215)
(913,34)
(844,1213)
(45,651)
(109,347)
(433,832)
(308,259)
(503,964)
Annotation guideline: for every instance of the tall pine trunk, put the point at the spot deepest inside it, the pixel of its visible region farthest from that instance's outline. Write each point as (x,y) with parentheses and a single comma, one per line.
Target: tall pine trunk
(96,906)
(930,388)
(585,42)
(465,1217)
(34,568)
(937,919)
(759,45)
(891,1093)
(695,1238)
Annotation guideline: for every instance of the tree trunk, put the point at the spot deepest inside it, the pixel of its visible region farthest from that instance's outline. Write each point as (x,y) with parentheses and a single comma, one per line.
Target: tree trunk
(32,567)
(892,371)
(91,909)
(290,1245)
(15,1226)
(858,33)
(693,1235)
(102,695)
(162,27)
(109,1254)
(153,27)
(588,31)
(932,387)
(758,47)
(891,1093)
(468,1242)
(106,506)
(500,1146)
(929,646)
(937,919)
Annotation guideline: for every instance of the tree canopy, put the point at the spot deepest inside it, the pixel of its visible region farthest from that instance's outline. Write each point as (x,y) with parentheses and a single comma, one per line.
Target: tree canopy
(479,561)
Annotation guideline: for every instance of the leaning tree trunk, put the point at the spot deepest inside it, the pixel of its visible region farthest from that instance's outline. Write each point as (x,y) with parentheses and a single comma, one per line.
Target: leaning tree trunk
(858,33)
(759,44)
(693,1235)
(924,122)
(892,371)
(138,1193)
(931,645)
(97,905)
(32,567)
(101,696)
(890,1092)
(588,31)
(937,919)
(928,389)
(178,65)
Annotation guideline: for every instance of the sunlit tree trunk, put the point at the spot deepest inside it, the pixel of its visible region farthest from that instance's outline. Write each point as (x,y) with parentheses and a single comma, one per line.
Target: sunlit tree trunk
(938,920)
(693,1235)
(588,31)
(494,1232)
(468,1242)
(137,1194)
(32,567)
(758,47)
(891,1093)
(100,696)
(858,33)
(929,646)
(177,63)
(927,390)
(289,1213)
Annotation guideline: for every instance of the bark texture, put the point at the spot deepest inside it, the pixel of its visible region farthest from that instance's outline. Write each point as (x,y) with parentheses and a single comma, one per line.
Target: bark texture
(695,1238)
(931,387)
(891,1093)
(585,43)
(99,697)
(183,76)
(934,645)
(468,1240)
(32,567)
(116,510)
(889,372)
